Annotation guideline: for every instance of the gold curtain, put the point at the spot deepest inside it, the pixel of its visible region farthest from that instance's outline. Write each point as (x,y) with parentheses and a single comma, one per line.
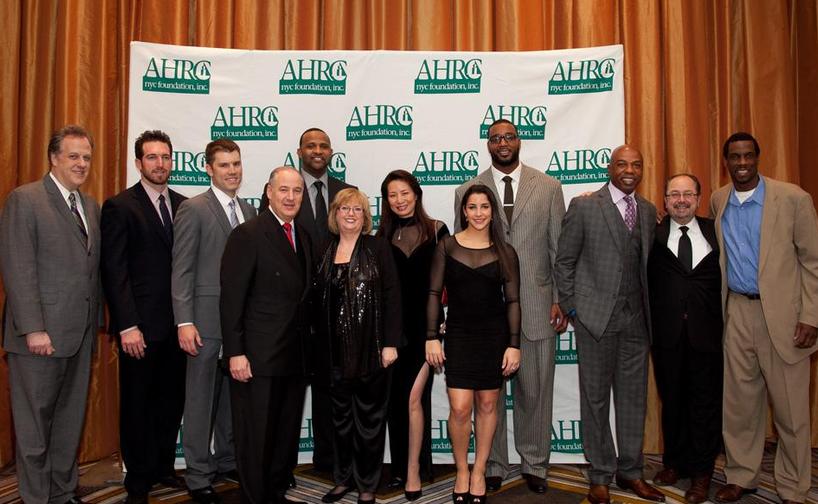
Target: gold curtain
(695,71)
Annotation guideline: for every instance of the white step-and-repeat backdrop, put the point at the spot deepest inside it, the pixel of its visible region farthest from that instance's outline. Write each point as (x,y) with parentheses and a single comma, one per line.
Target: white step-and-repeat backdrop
(425,112)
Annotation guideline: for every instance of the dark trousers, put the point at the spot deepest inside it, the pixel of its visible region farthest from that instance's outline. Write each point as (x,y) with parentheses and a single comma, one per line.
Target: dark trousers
(404,374)
(151,402)
(690,386)
(359,408)
(266,427)
(321,426)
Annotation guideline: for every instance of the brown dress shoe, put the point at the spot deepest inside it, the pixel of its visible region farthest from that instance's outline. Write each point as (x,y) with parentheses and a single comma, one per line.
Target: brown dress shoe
(640,488)
(666,477)
(699,490)
(598,494)
(732,493)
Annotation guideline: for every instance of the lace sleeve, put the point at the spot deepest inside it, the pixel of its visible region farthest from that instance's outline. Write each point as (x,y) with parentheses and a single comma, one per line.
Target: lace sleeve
(511,291)
(436,275)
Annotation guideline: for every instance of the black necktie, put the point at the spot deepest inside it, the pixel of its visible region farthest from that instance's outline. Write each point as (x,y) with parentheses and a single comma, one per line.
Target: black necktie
(685,254)
(508,199)
(167,223)
(72,199)
(320,210)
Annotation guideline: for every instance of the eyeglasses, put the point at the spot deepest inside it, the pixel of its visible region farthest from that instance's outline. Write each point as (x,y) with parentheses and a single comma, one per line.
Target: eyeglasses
(348,209)
(680,195)
(509,137)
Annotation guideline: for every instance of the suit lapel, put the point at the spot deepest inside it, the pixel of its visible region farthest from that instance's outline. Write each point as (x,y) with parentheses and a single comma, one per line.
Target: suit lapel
(645,223)
(611,214)
(59,203)
(91,227)
(149,210)
(246,210)
(218,211)
(769,214)
(278,239)
(304,249)
(524,191)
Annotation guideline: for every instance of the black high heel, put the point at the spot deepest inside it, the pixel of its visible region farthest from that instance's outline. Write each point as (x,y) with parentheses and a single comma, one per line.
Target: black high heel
(479,499)
(460,498)
(412,495)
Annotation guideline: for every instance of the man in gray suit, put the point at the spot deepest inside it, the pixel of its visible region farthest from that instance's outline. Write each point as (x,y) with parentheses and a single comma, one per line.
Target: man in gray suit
(601,275)
(200,230)
(49,259)
(533,208)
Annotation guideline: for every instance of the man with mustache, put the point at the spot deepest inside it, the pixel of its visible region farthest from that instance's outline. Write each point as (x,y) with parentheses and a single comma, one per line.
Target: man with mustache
(137,241)
(685,307)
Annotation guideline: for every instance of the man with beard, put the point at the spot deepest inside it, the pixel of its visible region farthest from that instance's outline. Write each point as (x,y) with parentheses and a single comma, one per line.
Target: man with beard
(533,209)
(767,230)
(685,307)
(137,240)
(315,151)
(601,274)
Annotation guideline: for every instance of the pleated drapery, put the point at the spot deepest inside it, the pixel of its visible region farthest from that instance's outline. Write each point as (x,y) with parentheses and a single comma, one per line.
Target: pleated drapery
(695,71)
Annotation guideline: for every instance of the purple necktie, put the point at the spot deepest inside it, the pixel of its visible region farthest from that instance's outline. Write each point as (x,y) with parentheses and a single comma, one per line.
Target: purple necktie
(630,212)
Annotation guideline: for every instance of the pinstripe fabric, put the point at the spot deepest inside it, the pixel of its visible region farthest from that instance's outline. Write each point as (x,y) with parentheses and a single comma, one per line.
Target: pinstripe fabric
(534,233)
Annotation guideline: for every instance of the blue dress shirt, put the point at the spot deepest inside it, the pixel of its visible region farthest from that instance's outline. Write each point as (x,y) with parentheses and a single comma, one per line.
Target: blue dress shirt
(741,228)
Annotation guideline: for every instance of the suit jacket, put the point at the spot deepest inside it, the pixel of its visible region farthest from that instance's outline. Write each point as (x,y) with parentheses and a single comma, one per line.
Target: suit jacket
(200,232)
(534,233)
(136,262)
(678,295)
(264,296)
(51,277)
(787,262)
(306,217)
(588,268)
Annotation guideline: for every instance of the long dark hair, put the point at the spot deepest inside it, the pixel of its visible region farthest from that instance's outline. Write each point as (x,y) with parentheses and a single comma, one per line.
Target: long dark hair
(496,233)
(389,220)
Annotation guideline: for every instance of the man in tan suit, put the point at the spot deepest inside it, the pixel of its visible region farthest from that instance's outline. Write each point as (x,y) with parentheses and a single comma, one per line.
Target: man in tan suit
(768,232)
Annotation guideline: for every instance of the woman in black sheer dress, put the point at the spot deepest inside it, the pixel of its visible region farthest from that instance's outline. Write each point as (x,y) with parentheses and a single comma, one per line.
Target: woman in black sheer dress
(360,330)
(481,274)
(414,236)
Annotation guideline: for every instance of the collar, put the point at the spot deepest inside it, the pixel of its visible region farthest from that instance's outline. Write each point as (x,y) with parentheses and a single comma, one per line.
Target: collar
(692,226)
(309,180)
(223,197)
(65,192)
(279,219)
(153,194)
(757,197)
(515,173)
(617,195)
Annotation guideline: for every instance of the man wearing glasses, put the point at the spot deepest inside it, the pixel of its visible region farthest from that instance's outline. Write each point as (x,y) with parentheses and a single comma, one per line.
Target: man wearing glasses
(533,208)
(685,306)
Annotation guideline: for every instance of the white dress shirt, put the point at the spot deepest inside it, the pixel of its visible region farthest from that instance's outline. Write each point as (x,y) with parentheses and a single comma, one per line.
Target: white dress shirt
(65,193)
(224,201)
(501,185)
(153,195)
(700,245)
(281,221)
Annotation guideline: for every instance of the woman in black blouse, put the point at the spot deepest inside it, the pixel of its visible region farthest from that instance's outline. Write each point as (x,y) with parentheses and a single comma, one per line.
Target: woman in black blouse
(414,236)
(481,274)
(360,327)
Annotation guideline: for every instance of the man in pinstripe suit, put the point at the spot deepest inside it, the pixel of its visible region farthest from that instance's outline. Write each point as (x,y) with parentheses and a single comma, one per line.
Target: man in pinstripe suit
(601,275)
(534,207)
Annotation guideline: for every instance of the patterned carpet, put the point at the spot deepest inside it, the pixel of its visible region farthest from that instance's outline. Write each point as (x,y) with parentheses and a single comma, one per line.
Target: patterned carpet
(100,484)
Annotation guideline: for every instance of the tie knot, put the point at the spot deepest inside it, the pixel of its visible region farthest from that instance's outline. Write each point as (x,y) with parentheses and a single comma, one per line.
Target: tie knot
(161,198)
(318,184)
(287,227)
(628,199)
(232,204)
(683,229)
(507,179)
(72,198)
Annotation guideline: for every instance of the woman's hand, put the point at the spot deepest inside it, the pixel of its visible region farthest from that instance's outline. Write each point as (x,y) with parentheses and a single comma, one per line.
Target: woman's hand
(388,356)
(511,361)
(434,353)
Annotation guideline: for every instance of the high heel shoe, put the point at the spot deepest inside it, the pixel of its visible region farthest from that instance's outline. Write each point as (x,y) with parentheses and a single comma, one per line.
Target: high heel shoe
(412,495)
(335,497)
(460,498)
(479,499)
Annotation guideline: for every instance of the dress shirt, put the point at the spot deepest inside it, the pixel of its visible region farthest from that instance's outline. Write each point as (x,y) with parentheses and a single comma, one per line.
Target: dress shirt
(618,198)
(282,221)
(700,245)
(741,228)
(65,193)
(153,195)
(309,180)
(224,201)
(497,175)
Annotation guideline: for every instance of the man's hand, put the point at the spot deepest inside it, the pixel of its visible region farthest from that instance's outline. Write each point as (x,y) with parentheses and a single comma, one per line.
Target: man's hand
(133,343)
(558,319)
(39,343)
(511,361)
(189,339)
(388,356)
(240,368)
(805,335)
(434,353)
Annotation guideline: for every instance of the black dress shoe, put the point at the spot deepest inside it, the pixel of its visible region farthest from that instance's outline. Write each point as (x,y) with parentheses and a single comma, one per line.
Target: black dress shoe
(291,482)
(172,481)
(74,500)
(230,476)
(412,495)
(206,495)
(395,483)
(536,484)
(136,499)
(493,483)
(333,496)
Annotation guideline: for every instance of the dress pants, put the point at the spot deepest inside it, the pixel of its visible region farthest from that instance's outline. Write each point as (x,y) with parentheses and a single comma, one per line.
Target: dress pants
(322,431)
(48,396)
(753,371)
(619,359)
(151,402)
(689,383)
(207,416)
(359,409)
(266,428)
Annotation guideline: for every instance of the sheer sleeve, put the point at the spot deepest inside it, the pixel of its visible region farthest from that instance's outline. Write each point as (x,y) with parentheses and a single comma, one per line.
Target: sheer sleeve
(511,291)
(437,272)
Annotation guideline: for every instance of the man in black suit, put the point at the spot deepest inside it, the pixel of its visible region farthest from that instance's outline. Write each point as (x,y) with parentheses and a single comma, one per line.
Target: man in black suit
(315,151)
(265,282)
(137,241)
(685,307)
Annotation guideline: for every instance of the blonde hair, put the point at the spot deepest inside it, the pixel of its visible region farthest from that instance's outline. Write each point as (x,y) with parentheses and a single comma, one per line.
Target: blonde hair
(346,196)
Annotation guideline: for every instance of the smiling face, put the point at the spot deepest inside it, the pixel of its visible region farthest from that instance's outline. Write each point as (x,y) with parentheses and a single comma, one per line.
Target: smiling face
(625,168)
(73,162)
(226,171)
(401,198)
(315,151)
(477,211)
(504,153)
(285,192)
(742,164)
(156,162)
(681,199)
(350,216)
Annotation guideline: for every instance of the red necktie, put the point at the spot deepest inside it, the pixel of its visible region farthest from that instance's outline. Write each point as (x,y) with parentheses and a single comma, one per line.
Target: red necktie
(288,228)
